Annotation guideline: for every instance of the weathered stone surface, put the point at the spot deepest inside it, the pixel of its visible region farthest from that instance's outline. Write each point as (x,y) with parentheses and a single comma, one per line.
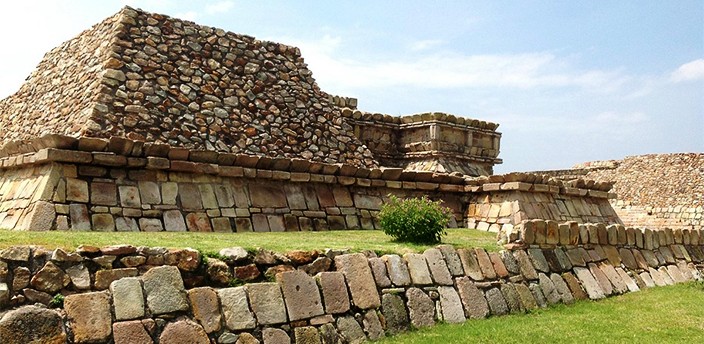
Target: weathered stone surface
(473,300)
(656,277)
(575,287)
(247,338)
(470,264)
(21,276)
(575,257)
(498,264)
(163,286)
(206,308)
(438,268)
(103,278)
(666,275)
(525,296)
(267,303)
(421,308)
(218,271)
(16,253)
(234,253)
(359,280)
(90,316)
(675,273)
(50,279)
(235,309)
(538,259)
(272,335)
(130,332)
(127,298)
(372,325)
(301,294)
(525,265)
(485,263)
(397,269)
(454,264)
(350,330)
(174,222)
(186,259)
(589,283)
(538,295)
(630,283)
(329,335)
(395,313)
(450,305)
(548,288)
(496,301)
(183,331)
(562,289)
(618,285)
(601,278)
(418,269)
(32,325)
(334,291)
(513,301)
(510,262)
(320,264)
(381,277)
(4,295)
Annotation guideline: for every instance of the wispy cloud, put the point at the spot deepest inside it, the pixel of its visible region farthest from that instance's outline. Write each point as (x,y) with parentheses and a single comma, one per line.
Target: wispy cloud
(690,71)
(219,7)
(425,44)
(448,69)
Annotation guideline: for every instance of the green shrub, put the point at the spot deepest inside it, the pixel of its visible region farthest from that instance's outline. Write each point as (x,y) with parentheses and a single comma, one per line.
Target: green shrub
(57,301)
(415,220)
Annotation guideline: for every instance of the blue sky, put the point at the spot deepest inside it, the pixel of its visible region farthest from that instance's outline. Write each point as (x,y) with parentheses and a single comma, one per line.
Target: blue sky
(568,81)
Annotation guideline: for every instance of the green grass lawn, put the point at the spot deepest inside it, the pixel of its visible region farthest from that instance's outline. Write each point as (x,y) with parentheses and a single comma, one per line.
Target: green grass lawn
(355,240)
(673,314)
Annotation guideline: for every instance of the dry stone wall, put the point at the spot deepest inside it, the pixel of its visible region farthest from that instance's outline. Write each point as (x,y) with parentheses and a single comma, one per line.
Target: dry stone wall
(435,142)
(153,78)
(124,294)
(655,190)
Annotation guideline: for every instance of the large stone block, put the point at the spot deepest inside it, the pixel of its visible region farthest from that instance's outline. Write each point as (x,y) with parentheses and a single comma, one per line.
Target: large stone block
(395,313)
(127,298)
(90,317)
(301,295)
(397,269)
(454,264)
(334,290)
(103,278)
(438,266)
(421,308)
(350,330)
(235,309)
(183,331)
(130,332)
(206,308)
(359,280)
(418,269)
(267,303)
(496,301)
(163,286)
(450,305)
(267,195)
(473,300)
(272,335)
(470,265)
(32,324)
(589,283)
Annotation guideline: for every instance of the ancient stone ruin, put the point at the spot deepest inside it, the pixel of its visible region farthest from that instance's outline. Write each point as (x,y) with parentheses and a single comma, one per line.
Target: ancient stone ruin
(150,123)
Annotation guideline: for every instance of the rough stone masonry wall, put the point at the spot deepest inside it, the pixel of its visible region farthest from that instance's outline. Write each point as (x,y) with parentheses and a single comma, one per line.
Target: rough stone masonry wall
(654,190)
(154,78)
(435,142)
(347,299)
(117,184)
(499,202)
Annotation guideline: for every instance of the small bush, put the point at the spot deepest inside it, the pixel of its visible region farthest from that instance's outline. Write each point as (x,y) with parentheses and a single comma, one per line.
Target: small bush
(415,220)
(57,301)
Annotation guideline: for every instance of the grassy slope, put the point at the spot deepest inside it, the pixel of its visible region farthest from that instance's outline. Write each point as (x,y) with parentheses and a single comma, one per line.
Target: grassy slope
(659,315)
(212,242)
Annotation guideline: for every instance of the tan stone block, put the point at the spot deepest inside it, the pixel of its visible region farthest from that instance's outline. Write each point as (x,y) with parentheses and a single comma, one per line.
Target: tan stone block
(198,222)
(206,308)
(130,332)
(301,295)
(76,190)
(90,317)
(103,222)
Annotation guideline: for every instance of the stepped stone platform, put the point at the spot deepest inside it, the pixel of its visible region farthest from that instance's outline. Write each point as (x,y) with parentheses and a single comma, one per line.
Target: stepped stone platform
(150,123)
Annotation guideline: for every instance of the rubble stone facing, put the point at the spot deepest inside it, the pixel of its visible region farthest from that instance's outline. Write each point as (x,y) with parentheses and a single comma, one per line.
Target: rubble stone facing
(319,308)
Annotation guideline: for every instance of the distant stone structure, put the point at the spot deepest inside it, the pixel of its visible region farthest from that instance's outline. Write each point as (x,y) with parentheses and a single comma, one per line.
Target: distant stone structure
(149,123)
(654,190)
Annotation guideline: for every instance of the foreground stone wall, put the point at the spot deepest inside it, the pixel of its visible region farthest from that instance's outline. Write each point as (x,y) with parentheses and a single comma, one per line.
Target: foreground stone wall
(654,190)
(334,298)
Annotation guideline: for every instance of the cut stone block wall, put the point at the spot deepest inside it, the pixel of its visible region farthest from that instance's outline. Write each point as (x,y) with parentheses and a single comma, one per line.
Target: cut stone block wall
(124,185)
(124,294)
(654,190)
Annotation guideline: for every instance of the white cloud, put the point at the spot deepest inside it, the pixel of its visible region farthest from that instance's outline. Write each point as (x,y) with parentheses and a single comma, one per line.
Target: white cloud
(219,7)
(690,71)
(448,70)
(189,15)
(425,44)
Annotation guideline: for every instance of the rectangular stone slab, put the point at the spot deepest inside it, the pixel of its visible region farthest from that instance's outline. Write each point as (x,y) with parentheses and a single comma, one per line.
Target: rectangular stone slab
(359,279)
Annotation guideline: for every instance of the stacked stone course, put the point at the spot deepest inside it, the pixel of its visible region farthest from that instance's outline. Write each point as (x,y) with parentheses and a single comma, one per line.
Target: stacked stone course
(654,190)
(126,294)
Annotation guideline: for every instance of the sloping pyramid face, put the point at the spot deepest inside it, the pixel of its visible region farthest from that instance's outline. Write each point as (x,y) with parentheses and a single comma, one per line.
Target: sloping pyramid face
(150,77)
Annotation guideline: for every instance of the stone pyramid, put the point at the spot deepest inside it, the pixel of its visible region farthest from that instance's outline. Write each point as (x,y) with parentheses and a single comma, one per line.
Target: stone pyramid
(149,77)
